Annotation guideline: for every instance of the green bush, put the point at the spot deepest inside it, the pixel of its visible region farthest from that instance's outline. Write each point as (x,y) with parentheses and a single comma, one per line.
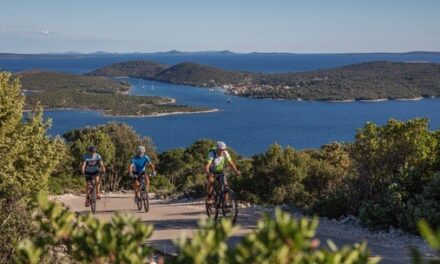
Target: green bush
(28,158)
(116,143)
(282,239)
(85,238)
(161,185)
(425,205)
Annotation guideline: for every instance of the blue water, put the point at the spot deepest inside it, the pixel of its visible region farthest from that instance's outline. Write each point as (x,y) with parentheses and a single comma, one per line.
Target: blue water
(260,62)
(248,125)
(251,125)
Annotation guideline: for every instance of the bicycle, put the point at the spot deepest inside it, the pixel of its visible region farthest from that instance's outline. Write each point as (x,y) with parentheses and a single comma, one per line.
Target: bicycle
(228,207)
(144,197)
(92,194)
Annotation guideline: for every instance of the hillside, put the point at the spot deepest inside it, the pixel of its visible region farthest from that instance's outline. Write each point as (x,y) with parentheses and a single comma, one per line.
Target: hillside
(373,80)
(364,81)
(60,90)
(139,69)
(200,75)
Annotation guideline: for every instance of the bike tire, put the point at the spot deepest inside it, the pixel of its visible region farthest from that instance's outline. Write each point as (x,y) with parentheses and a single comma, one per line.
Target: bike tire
(210,208)
(146,200)
(217,204)
(93,198)
(139,202)
(232,211)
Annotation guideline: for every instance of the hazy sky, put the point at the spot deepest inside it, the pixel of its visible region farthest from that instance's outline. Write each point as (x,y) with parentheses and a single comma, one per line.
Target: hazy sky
(306,26)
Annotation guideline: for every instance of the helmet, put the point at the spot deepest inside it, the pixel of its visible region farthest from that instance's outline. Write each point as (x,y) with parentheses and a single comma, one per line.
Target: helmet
(140,149)
(221,145)
(92,149)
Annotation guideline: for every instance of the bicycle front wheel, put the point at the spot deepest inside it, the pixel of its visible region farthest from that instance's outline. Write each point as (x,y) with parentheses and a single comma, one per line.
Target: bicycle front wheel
(146,199)
(229,205)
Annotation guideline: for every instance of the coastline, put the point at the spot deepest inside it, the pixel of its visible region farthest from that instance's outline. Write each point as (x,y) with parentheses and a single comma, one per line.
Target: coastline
(165,114)
(130,116)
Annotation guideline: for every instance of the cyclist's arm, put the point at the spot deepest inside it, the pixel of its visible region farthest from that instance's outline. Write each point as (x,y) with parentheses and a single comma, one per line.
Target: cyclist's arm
(152,167)
(208,165)
(130,168)
(82,167)
(232,165)
(101,164)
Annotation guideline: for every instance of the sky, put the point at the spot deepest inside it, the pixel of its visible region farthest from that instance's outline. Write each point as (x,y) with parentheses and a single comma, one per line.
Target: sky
(306,26)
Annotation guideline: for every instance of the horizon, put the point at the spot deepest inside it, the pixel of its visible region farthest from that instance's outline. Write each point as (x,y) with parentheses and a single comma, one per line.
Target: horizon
(100,52)
(242,26)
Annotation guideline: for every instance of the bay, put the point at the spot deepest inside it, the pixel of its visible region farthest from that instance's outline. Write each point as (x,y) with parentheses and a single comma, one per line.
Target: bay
(248,125)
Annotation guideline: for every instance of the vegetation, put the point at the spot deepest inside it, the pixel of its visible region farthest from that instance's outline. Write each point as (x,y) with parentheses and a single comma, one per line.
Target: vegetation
(116,143)
(28,157)
(389,176)
(61,90)
(135,69)
(364,81)
(86,239)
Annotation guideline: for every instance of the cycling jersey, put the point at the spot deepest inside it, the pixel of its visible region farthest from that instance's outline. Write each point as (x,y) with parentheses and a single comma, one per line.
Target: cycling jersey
(218,161)
(140,162)
(92,162)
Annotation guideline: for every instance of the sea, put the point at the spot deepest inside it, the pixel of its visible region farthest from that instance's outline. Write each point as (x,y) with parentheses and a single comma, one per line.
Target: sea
(247,125)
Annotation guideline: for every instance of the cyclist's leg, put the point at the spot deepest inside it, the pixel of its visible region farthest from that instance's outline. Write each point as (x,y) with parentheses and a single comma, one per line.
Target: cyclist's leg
(147,182)
(210,187)
(224,182)
(136,185)
(88,188)
(98,186)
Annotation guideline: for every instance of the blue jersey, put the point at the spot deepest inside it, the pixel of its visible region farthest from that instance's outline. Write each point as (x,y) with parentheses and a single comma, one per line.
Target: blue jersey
(140,162)
(92,162)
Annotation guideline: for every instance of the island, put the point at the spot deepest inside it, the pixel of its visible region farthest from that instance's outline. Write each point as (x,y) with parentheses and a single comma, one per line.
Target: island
(379,80)
(54,90)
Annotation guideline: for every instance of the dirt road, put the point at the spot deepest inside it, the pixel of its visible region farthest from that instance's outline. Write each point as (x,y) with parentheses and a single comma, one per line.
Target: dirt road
(171,218)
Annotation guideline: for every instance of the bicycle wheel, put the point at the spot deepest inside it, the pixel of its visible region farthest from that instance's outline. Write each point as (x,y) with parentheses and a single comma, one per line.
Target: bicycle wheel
(230,205)
(210,207)
(139,201)
(93,197)
(146,199)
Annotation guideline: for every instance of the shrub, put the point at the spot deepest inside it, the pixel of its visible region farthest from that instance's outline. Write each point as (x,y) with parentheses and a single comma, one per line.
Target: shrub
(425,205)
(282,239)
(161,185)
(28,158)
(85,238)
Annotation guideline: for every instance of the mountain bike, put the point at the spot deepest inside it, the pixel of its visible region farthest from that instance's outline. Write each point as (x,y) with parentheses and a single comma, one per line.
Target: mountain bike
(225,200)
(92,194)
(143,197)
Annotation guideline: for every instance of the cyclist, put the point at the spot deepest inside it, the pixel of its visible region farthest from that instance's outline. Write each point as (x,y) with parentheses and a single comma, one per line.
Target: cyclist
(137,168)
(92,165)
(214,168)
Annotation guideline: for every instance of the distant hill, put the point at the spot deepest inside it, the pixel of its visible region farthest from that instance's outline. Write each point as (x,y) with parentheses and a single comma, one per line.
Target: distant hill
(196,74)
(139,69)
(363,81)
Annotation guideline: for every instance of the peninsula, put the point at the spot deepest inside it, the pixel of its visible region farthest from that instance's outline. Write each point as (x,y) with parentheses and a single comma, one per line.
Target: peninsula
(378,80)
(54,90)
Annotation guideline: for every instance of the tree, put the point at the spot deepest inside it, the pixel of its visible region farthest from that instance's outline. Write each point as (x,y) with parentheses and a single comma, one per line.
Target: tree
(116,143)
(28,159)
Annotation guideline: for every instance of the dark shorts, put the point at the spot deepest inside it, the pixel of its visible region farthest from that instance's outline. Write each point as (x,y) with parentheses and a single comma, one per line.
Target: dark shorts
(89,175)
(139,175)
(221,177)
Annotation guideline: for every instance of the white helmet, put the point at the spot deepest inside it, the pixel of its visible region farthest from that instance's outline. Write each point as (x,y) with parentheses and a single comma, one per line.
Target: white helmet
(140,149)
(221,145)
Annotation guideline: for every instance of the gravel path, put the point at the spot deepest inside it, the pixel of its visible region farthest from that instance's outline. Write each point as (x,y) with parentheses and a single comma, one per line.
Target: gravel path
(171,218)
